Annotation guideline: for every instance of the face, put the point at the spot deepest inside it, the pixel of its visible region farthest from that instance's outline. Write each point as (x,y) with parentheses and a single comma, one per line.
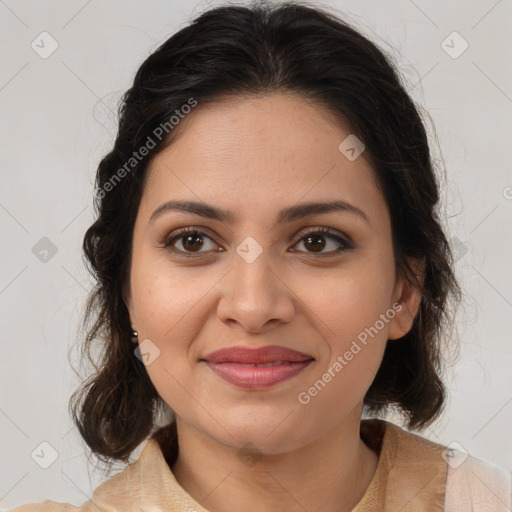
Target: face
(318,281)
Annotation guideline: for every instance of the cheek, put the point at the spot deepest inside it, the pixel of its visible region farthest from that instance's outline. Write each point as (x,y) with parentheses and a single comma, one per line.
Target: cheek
(353,311)
(349,299)
(167,297)
(354,338)
(171,306)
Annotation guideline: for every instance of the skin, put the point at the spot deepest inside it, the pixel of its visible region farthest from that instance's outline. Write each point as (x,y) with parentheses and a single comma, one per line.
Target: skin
(253,157)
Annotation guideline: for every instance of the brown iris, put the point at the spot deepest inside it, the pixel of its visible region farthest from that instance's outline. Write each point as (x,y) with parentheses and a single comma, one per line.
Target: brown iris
(193,242)
(318,246)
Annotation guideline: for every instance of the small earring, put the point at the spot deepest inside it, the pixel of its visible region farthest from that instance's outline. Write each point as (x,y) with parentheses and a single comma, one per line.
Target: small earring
(134,336)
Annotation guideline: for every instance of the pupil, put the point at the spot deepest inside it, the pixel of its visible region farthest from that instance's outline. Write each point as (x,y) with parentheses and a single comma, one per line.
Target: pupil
(316,246)
(195,240)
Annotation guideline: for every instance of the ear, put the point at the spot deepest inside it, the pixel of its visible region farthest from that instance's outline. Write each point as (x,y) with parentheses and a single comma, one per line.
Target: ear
(407,296)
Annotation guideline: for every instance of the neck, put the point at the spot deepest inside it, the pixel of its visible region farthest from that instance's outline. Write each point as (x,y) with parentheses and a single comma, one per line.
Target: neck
(330,474)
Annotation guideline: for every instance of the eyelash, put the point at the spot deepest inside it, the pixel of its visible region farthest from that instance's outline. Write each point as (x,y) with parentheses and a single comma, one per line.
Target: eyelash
(345,244)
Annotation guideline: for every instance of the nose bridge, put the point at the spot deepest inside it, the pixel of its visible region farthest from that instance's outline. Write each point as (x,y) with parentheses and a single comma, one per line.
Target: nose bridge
(253,272)
(256,293)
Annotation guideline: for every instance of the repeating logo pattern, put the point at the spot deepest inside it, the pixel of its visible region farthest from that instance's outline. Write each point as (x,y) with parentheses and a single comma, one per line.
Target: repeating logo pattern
(44,209)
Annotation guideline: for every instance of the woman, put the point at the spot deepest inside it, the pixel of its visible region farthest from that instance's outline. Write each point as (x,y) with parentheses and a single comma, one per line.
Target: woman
(269,261)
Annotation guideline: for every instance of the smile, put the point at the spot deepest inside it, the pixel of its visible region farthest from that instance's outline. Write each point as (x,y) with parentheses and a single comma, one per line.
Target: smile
(258,376)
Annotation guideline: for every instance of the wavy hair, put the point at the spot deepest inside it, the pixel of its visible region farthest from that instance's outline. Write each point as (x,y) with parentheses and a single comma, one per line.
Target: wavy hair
(255,50)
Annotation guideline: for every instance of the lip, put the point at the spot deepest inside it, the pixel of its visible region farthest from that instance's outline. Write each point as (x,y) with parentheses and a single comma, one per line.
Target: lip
(236,365)
(254,377)
(262,355)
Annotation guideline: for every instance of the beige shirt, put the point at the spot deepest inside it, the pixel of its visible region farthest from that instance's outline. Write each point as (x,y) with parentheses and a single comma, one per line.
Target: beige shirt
(413,475)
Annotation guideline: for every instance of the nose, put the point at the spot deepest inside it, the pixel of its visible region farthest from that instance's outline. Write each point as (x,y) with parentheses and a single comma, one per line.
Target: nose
(255,296)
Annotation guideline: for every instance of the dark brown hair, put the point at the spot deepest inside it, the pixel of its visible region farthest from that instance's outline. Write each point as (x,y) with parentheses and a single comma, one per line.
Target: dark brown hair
(261,49)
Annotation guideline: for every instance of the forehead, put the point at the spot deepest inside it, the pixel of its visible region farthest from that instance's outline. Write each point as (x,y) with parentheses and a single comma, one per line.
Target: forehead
(267,126)
(264,151)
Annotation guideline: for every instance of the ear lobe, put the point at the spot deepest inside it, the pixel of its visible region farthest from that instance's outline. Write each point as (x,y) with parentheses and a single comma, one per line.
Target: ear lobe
(409,298)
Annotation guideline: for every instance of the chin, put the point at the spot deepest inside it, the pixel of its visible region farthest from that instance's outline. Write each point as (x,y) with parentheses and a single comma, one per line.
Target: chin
(265,436)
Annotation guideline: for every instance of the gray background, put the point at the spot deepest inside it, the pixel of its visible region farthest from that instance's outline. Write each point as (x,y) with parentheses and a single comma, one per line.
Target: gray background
(58,120)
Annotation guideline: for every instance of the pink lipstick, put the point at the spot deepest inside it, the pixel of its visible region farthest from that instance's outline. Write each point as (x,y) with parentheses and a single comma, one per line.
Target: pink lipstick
(257,368)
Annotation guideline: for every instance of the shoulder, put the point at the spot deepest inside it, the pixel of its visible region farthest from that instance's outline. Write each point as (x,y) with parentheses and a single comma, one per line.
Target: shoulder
(142,483)
(47,506)
(54,506)
(443,478)
(473,484)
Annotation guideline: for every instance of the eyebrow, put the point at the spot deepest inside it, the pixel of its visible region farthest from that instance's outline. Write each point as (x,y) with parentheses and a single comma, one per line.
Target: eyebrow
(289,214)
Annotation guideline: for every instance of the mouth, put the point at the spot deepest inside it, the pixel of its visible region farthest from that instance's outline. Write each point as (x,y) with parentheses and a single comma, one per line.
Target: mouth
(257,368)
(253,376)
(262,355)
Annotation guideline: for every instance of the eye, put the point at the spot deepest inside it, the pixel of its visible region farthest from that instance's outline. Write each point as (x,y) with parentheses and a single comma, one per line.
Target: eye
(189,241)
(192,241)
(318,239)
